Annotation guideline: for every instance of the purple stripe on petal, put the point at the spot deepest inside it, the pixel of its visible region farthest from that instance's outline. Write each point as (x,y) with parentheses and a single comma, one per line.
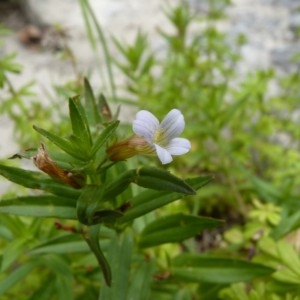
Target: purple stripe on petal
(173,124)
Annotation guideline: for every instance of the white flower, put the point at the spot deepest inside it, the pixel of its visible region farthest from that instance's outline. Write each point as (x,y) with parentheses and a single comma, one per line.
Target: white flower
(163,137)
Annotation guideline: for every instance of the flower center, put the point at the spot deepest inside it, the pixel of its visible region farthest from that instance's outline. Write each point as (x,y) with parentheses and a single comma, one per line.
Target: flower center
(160,137)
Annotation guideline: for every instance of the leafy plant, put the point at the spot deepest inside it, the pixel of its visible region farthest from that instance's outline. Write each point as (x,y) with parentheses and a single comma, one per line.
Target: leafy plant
(90,223)
(82,185)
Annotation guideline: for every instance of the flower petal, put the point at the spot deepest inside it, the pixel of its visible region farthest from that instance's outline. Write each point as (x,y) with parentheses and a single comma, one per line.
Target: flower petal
(142,130)
(173,124)
(178,146)
(145,125)
(163,155)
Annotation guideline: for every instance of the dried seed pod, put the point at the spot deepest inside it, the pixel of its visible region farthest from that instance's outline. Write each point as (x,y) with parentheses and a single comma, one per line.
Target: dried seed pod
(50,167)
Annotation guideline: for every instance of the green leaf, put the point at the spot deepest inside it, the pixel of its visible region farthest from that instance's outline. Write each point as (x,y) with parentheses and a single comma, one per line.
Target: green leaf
(14,225)
(89,30)
(8,63)
(91,108)
(285,254)
(266,190)
(289,256)
(105,110)
(68,243)
(79,122)
(113,173)
(106,216)
(199,182)
(80,146)
(159,179)
(58,264)
(61,269)
(104,136)
(37,180)
(119,255)
(92,238)
(64,160)
(286,225)
(12,251)
(148,177)
(5,233)
(142,280)
(89,16)
(195,268)
(16,276)
(87,204)
(40,206)
(28,153)
(63,144)
(45,291)
(64,287)
(117,186)
(91,208)
(230,113)
(174,228)
(150,200)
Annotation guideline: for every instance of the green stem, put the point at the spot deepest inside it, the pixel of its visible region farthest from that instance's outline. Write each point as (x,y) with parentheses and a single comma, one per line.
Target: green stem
(105,50)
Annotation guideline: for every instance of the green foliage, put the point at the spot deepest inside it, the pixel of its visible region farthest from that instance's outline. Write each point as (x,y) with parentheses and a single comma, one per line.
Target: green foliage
(94,31)
(90,228)
(13,101)
(174,228)
(93,201)
(238,128)
(234,126)
(192,267)
(284,283)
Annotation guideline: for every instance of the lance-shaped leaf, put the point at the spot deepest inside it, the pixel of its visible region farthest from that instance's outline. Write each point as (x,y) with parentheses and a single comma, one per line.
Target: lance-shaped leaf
(71,242)
(142,280)
(92,238)
(119,185)
(79,122)
(61,269)
(40,206)
(17,276)
(46,288)
(105,109)
(28,153)
(158,179)
(64,144)
(286,225)
(104,136)
(107,216)
(148,177)
(37,180)
(150,200)
(91,208)
(174,228)
(92,111)
(119,254)
(68,243)
(197,268)
(63,159)
(87,203)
